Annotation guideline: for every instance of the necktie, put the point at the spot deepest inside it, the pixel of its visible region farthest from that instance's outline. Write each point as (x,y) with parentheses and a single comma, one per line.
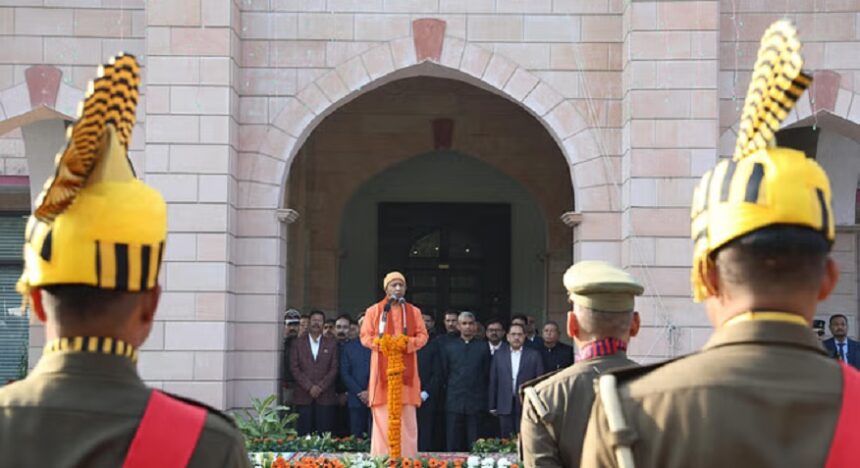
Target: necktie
(841,351)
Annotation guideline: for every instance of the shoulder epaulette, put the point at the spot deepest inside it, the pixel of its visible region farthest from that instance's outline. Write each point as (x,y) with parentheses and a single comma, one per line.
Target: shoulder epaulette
(629,373)
(208,408)
(537,380)
(528,393)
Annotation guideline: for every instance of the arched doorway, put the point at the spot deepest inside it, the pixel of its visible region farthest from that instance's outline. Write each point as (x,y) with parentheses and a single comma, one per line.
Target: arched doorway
(280,207)
(362,190)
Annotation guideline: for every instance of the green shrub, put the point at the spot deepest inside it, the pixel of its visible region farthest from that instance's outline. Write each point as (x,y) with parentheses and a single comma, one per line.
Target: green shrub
(266,420)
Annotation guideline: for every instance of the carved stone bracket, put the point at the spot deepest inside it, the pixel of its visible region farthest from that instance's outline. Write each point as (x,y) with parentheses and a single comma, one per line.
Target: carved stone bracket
(571,219)
(287,215)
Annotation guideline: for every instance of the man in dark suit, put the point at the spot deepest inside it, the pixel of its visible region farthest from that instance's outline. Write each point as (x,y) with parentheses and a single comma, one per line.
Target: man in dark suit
(495,335)
(511,367)
(840,346)
(465,367)
(430,375)
(451,326)
(341,420)
(489,424)
(291,331)
(450,331)
(355,374)
(313,363)
(532,339)
(555,355)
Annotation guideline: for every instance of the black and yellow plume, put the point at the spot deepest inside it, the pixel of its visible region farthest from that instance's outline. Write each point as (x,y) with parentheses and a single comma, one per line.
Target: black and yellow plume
(761,185)
(777,83)
(96,223)
(111,100)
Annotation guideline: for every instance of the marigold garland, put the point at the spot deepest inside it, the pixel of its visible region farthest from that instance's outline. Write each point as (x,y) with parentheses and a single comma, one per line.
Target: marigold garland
(393,347)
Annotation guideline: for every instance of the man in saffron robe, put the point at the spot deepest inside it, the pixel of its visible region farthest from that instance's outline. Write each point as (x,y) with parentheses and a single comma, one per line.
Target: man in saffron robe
(393,315)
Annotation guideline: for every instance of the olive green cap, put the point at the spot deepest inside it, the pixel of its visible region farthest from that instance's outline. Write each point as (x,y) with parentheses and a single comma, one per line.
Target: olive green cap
(599,285)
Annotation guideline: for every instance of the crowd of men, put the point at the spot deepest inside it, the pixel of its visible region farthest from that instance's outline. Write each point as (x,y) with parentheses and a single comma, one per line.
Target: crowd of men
(470,373)
(326,370)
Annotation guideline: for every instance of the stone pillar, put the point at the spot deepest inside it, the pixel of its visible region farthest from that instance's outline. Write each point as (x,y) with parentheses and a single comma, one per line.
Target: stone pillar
(191,109)
(669,140)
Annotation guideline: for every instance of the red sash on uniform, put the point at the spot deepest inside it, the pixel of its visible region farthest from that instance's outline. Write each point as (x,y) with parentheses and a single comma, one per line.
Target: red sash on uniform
(846,439)
(167,433)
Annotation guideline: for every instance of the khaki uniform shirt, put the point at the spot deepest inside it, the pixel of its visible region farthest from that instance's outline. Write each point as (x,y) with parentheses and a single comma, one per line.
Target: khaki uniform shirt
(552,427)
(760,394)
(82,409)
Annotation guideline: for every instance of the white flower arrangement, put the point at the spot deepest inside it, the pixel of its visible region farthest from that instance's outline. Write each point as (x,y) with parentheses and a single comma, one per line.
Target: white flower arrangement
(362,461)
(476,461)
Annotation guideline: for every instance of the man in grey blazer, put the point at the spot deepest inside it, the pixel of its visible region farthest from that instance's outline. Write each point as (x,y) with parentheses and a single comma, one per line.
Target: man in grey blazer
(511,367)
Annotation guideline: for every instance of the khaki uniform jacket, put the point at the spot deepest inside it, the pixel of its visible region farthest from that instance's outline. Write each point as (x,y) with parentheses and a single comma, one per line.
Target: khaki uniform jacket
(761,394)
(552,427)
(82,409)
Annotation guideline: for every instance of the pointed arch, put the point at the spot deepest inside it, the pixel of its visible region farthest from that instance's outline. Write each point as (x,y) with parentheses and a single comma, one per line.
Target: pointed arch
(421,54)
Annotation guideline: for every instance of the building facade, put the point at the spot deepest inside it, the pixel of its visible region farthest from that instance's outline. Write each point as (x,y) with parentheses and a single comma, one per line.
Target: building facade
(305,147)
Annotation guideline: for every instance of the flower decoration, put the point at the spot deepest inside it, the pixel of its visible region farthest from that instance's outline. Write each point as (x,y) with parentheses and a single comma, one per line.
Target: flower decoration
(393,347)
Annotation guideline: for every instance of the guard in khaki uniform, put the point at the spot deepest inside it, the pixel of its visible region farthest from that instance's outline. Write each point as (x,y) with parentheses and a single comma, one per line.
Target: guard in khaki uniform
(556,406)
(762,393)
(92,255)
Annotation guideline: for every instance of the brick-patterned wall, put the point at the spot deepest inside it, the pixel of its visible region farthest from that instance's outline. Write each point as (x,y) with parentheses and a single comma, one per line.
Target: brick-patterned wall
(74,36)
(829,30)
(190,143)
(670,133)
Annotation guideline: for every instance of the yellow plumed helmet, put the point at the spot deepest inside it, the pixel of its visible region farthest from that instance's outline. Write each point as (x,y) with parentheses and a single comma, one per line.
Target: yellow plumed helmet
(95,223)
(761,186)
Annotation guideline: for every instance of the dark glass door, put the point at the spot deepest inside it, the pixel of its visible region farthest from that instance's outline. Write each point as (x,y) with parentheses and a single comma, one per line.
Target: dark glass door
(454,255)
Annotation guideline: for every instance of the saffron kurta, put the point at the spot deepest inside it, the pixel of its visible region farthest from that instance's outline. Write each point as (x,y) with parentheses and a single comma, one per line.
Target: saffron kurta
(378,384)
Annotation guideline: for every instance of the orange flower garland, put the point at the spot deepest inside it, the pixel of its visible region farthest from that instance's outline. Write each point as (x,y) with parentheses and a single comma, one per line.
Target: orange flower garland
(394,347)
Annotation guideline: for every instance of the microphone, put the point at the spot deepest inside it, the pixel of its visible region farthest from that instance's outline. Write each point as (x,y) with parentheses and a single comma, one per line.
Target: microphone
(387,308)
(385,311)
